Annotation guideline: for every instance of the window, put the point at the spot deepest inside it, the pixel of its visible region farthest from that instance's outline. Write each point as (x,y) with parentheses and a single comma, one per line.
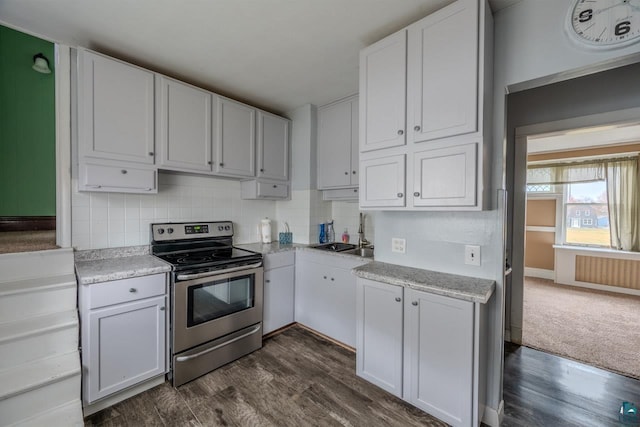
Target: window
(586,216)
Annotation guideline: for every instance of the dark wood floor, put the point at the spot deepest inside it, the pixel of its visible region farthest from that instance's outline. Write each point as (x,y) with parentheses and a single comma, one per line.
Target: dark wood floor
(541,389)
(296,379)
(300,379)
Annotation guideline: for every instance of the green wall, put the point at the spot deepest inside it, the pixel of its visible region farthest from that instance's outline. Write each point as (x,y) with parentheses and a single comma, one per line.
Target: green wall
(27,128)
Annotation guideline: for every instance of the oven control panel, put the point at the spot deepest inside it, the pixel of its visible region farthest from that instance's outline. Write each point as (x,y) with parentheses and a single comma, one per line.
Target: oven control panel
(190,230)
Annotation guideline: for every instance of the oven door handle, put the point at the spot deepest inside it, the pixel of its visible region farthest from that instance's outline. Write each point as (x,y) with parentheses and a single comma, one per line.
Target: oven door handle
(216,272)
(215,347)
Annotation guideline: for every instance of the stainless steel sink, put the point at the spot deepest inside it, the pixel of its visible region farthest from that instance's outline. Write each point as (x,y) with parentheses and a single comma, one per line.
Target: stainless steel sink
(335,247)
(363,252)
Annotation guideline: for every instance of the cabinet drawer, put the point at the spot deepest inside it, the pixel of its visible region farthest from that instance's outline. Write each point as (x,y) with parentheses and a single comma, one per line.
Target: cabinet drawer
(97,176)
(280,259)
(267,189)
(119,291)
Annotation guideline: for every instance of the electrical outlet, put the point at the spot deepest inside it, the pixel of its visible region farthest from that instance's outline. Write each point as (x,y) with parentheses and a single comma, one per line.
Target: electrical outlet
(472,255)
(398,245)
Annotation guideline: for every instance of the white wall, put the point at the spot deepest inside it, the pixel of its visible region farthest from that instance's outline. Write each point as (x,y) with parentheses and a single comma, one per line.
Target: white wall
(103,220)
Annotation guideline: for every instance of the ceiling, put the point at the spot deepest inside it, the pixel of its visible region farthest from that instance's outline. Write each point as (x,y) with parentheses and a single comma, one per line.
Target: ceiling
(275,54)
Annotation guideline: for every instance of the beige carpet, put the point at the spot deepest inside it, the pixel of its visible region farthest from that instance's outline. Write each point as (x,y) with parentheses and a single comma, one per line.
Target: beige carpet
(27,241)
(598,328)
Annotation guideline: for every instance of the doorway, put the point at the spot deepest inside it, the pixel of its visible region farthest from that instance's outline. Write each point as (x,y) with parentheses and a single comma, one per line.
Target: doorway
(579,298)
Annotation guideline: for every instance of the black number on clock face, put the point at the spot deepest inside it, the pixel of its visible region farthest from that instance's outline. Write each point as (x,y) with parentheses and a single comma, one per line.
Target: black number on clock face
(622,28)
(585,15)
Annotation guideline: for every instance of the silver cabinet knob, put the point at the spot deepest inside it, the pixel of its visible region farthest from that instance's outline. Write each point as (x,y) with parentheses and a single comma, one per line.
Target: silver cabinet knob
(261,170)
(325,277)
(209,162)
(123,171)
(133,290)
(162,308)
(346,173)
(354,172)
(275,186)
(400,132)
(267,281)
(417,194)
(414,303)
(416,128)
(400,195)
(398,299)
(221,164)
(332,279)
(151,153)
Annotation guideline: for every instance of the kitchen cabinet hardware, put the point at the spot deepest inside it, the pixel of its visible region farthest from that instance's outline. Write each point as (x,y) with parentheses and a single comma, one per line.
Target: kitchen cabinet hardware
(209,162)
(332,279)
(414,303)
(354,172)
(123,171)
(416,128)
(133,290)
(325,277)
(398,299)
(267,281)
(151,153)
(400,132)
(346,173)
(162,309)
(261,169)
(416,194)
(221,164)
(400,195)
(275,186)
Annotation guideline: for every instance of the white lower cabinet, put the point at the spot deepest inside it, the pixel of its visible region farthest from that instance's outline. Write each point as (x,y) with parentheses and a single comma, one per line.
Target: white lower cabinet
(422,347)
(278,291)
(325,295)
(379,334)
(123,334)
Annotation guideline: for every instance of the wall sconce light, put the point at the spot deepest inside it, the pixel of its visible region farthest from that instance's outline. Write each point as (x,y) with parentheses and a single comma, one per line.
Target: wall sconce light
(41,64)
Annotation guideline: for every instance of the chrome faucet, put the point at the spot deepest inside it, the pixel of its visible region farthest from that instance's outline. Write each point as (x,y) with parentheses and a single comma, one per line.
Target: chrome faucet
(362,241)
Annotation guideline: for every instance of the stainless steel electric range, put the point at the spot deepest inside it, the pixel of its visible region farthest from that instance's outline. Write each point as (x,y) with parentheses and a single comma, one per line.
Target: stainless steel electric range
(216,296)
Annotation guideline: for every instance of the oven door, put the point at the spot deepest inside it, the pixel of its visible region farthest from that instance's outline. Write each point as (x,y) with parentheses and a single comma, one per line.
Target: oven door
(207,308)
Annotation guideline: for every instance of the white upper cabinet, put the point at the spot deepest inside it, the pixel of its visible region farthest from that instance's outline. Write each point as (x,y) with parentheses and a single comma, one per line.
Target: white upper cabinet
(447,96)
(445,176)
(382,181)
(383,71)
(338,144)
(115,110)
(235,139)
(273,147)
(185,126)
(442,71)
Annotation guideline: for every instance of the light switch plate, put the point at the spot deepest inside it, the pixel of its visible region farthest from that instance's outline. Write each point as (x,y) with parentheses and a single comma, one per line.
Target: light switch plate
(472,255)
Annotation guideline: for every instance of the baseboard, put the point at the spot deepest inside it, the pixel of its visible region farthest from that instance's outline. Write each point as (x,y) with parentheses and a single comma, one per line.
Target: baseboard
(607,288)
(516,335)
(27,223)
(539,273)
(493,417)
(119,397)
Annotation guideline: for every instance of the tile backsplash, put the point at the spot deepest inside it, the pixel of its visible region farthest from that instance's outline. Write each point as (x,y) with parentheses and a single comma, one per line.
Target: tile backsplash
(107,220)
(102,220)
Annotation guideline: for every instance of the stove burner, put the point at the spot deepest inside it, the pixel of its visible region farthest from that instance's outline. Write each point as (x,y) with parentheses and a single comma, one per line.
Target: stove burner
(194,259)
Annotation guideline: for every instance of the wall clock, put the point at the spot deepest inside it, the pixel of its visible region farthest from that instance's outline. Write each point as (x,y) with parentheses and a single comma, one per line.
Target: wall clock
(604,24)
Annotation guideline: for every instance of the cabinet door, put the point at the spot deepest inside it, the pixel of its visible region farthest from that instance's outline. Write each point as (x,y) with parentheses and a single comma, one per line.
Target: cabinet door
(324,300)
(443,73)
(438,356)
(115,110)
(235,138)
(273,146)
(445,176)
(335,133)
(355,146)
(382,181)
(278,298)
(126,346)
(185,126)
(382,93)
(379,334)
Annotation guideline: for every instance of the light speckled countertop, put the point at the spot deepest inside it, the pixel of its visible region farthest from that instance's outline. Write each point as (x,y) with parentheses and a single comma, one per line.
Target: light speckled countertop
(103,265)
(450,285)
(270,248)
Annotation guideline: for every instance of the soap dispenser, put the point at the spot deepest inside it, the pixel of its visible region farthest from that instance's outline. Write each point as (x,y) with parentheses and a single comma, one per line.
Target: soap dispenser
(345,236)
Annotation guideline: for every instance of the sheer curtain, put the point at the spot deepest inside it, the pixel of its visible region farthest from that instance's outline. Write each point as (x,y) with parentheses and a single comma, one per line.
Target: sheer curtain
(622,194)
